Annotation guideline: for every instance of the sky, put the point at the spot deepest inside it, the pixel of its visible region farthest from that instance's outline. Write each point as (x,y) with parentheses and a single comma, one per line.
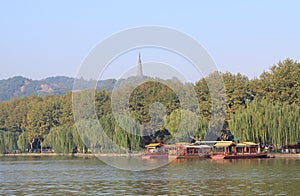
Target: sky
(46,38)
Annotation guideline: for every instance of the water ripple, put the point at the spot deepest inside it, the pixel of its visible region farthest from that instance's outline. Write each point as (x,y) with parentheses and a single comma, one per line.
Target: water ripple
(201,177)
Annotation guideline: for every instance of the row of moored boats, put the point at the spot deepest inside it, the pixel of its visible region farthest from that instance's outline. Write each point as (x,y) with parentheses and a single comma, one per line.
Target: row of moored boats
(204,149)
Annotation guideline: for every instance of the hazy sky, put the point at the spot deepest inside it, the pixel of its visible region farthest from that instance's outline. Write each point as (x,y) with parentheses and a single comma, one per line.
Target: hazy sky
(48,38)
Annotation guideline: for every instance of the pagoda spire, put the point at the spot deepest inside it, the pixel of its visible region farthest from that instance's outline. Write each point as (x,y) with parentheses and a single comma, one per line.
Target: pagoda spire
(140,68)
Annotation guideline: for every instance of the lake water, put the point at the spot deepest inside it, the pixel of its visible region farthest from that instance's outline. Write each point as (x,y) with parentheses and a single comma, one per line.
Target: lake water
(64,175)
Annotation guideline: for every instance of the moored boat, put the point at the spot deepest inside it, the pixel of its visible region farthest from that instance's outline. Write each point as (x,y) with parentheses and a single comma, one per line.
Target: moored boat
(155,151)
(189,151)
(176,151)
(217,157)
(231,150)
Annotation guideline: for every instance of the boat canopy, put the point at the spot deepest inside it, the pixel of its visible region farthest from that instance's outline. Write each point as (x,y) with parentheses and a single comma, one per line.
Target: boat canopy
(250,144)
(154,145)
(224,144)
(183,143)
(241,145)
(199,146)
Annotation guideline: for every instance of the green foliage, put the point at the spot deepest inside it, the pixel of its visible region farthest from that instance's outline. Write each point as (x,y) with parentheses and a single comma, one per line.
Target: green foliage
(273,116)
(265,109)
(148,93)
(64,139)
(237,91)
(281,84)
(184,125)
(204,98)
(23,143)
(212,100)
(8,142)
(267,122)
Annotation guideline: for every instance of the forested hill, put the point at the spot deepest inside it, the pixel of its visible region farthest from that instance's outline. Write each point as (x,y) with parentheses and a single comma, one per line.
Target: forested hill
(19,86)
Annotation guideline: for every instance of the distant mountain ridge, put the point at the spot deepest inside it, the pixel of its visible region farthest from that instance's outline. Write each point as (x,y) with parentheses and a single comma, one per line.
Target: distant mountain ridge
(19,86)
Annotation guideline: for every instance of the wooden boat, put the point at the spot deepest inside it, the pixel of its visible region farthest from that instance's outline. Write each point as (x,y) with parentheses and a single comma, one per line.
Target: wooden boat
(189,151)
(176,151)
(155,151)
(217,157)
(231,150)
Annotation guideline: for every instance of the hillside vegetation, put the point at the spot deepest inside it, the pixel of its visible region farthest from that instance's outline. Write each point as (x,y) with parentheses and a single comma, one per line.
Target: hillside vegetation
(264,109)
(19,86)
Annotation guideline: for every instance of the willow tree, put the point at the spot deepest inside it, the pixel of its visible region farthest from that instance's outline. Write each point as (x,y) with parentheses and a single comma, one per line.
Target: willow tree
(262,121)
(64,139)
(8,142)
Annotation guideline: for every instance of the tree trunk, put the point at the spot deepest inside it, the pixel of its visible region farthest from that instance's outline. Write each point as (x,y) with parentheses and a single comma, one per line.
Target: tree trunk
(31,145)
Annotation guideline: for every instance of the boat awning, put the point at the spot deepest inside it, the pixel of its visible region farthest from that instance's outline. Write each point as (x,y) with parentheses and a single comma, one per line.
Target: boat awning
(250,144)
(205,146)
(224,144)
(241,145)
(154,145)
(182,143)
(199,146)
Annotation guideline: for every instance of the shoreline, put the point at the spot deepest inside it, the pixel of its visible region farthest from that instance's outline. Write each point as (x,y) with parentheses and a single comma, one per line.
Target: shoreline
(285,156)
(68,155)
(271,155)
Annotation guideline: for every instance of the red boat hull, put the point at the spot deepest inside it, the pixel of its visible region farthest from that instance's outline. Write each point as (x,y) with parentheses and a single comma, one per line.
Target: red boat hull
(247,156)
(239,156)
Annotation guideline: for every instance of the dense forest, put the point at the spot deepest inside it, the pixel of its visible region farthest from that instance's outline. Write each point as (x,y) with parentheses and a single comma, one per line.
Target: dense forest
(265,109)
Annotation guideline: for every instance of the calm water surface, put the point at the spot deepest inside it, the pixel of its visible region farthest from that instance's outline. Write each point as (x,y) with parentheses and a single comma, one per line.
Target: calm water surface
(65,176)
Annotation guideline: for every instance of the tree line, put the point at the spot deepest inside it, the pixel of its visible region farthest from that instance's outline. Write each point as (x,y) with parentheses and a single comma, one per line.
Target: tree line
(264,109)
